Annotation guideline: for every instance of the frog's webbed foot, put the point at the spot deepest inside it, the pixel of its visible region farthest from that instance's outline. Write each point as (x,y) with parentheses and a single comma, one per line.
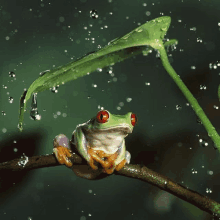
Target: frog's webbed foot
(63,154)
(109,169)
(106,160)
(109,165)
(62,150)
(96,156)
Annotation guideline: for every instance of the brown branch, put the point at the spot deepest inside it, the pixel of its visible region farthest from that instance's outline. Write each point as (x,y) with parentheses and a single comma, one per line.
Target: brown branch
(135,171)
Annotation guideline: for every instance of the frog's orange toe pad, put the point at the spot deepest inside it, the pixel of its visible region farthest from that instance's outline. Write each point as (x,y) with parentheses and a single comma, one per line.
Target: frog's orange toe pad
(63,154)
(120,165)
(108,171)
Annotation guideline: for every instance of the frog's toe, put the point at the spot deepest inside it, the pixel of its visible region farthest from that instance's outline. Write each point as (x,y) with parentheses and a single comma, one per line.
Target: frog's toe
(91,163)
(121,165)
(63,154)
(108,170)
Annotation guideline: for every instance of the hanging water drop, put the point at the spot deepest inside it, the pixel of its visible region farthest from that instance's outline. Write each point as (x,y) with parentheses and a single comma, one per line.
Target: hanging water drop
(34,111)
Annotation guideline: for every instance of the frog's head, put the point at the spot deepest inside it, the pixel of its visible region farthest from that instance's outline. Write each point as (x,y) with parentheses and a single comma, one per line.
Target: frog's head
(106,121)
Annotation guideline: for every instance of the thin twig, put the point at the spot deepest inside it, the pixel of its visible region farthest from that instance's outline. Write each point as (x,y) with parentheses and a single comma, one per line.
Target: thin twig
(135,171)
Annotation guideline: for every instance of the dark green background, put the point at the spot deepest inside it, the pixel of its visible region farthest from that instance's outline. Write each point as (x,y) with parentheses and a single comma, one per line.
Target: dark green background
(165,139)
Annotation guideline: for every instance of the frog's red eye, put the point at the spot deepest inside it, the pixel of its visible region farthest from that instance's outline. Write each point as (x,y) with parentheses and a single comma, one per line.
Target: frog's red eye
(102,116)
(133,119)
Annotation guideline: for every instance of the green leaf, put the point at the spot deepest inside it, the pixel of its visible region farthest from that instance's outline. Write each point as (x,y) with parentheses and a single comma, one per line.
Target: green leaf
(149,34)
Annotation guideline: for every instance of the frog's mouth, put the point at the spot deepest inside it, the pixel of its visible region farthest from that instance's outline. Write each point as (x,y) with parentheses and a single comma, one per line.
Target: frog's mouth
(119,129)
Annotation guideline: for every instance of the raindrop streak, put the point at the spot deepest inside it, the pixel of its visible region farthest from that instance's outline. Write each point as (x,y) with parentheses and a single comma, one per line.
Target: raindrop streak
(34,111)
(94,14)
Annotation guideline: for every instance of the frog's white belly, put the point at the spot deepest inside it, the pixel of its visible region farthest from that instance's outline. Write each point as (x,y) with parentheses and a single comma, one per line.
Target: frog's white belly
(109,143)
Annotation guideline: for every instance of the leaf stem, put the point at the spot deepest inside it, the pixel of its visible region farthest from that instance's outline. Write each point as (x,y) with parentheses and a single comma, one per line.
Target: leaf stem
(195,105)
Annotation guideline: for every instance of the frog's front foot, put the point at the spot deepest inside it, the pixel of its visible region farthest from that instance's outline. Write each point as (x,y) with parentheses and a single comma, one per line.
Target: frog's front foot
(62,150)
(96,156)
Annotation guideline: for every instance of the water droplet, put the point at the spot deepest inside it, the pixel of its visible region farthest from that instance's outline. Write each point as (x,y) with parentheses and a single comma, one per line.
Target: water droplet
(148,13)
(198,121)
(193,29)
(42,73)
(215,107)
(147,84)
(138,30)
(4,130)
(202,87)
(94,14)
(128,99)
(15,149)
(54,89)
(4,87)
(199,40)
(214,65)
(3,113)
(194,171)
(12,74)
(34,111)
(23,161)
(210,172)
(208,190)
(193,67)
(121,104)
(203,143)
(178,107)
(10,99)
(112,41)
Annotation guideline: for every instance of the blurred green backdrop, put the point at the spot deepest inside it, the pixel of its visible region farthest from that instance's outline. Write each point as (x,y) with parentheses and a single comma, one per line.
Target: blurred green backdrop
(38,35)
